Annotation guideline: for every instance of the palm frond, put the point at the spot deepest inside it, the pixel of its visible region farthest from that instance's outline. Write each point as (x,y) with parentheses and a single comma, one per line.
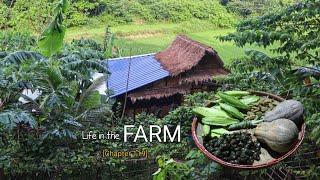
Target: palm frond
(89,92)
(54,76)
(308,71)
(87,64)
(3,54)
(20,56)
(51,40)
(10,119)
(71,74)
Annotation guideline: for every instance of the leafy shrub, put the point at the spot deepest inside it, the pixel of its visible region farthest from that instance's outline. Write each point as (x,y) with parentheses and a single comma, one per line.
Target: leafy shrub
(170,169)
(80,11)
(25,13)
(294,32)
(128,10)
(5,16)
(198,99)
(247,8)
(32,15)
(14,41)
(181,116)
(169,10)
(109,19)
(36,14)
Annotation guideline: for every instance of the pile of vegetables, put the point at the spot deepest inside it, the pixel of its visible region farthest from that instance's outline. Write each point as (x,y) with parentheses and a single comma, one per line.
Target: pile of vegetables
(273,123)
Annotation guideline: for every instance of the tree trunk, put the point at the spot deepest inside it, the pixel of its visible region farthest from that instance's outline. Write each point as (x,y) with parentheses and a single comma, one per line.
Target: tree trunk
(1,173)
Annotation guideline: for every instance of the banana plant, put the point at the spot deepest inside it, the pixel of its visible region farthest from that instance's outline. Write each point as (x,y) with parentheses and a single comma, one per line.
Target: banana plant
(63,79)
(51,39)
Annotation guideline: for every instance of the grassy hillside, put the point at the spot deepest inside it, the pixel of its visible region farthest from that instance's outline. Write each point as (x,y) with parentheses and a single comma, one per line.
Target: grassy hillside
(148,38)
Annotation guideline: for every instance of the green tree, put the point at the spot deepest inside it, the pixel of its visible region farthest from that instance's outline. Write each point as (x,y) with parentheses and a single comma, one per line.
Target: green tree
(42,129)
(295,32)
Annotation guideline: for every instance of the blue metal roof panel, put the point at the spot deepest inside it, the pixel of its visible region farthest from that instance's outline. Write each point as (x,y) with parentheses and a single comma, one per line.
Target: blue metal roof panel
(144,69)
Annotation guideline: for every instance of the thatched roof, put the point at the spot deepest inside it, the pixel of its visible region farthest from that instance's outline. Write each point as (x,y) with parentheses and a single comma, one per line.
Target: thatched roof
(189,62)
(158,93)
(198,77)
(185,53)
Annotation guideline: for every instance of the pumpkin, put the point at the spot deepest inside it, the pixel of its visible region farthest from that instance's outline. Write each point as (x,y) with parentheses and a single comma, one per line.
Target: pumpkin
(280,135)
(289,109)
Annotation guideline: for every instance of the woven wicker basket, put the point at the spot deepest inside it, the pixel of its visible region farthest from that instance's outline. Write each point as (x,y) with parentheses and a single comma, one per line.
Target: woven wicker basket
(198,141)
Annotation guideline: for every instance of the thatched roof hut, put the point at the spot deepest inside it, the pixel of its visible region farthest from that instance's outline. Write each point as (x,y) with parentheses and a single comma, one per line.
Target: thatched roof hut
(185,53)
(185,66)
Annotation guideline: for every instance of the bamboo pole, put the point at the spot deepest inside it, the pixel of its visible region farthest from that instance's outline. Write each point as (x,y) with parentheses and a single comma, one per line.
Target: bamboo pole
(127,86)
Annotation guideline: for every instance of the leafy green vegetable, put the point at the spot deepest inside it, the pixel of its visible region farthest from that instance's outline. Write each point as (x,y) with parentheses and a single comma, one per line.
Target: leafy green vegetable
(249,99)
(219,121)
(210,112)
(205,130)
(232,111)
(220,131)
(237,93)
(232,100)
(214,135)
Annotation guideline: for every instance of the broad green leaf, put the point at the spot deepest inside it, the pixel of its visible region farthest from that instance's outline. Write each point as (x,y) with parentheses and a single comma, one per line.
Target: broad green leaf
(91,97)
(87,64)
(72,122)
(10,119)
(65,5)
(92,101)
(54,76)
(20,56)
(51,40)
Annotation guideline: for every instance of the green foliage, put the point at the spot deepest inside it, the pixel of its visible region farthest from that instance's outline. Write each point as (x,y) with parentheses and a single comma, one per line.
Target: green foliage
(10,119)
(18,57)
(91,98)
(51,39)
(80,10)
(29,15)
(295,32)
(198,99)
(22,13)
(5,16)
(203,166)
(170,169)
(182,116)
(173,11)
(197,165)
(54,142)
(249,8)
(42,135)
(14,41)
(295,28)
(110,49)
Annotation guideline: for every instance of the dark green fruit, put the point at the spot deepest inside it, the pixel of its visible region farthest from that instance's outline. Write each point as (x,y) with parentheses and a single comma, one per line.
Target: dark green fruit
(236,148)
